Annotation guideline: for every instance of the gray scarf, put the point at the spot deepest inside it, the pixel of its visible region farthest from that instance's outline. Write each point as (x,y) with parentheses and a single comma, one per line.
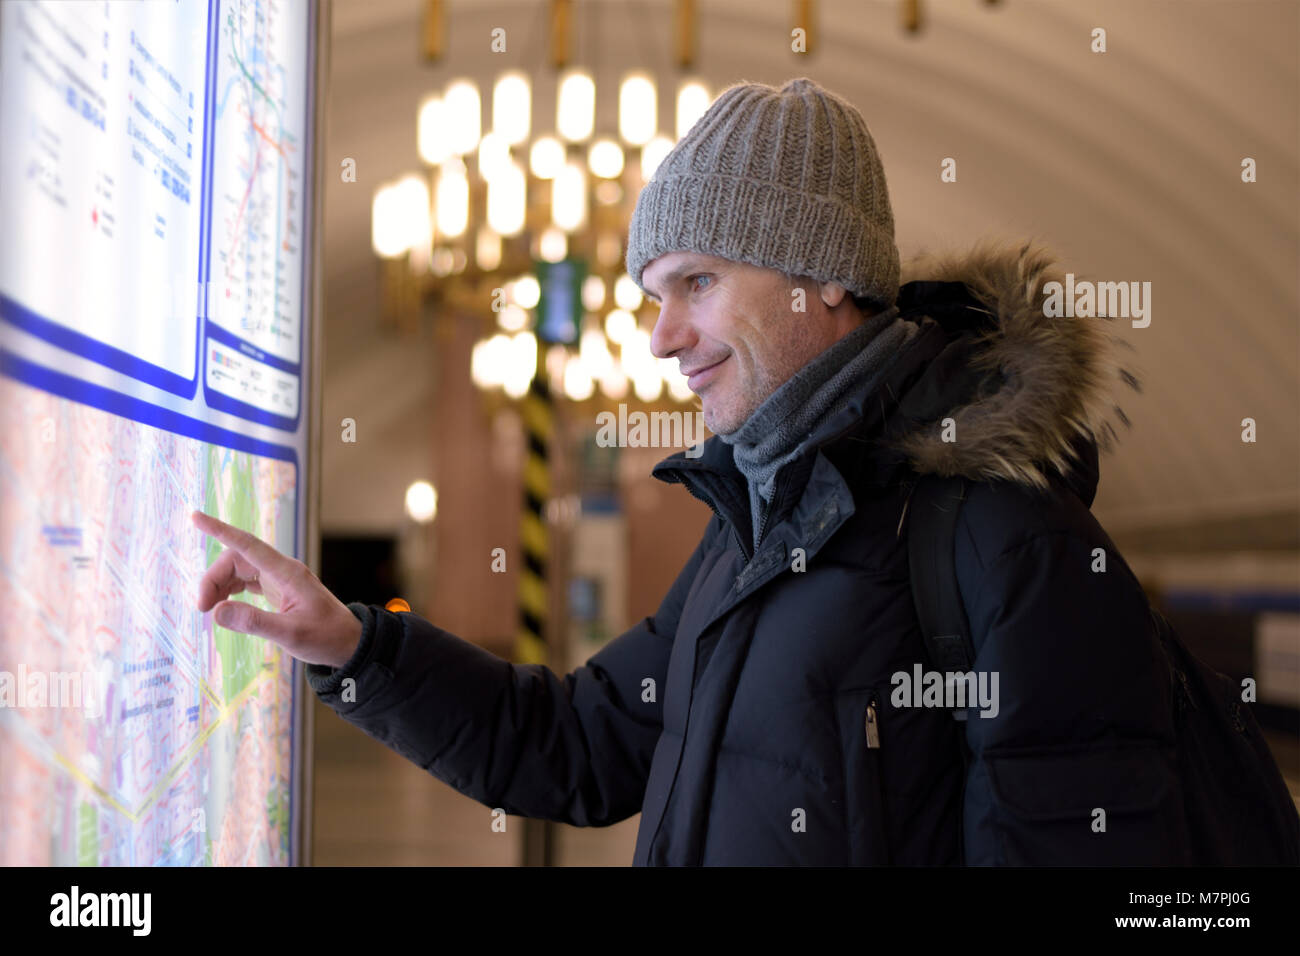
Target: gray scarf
(774,434)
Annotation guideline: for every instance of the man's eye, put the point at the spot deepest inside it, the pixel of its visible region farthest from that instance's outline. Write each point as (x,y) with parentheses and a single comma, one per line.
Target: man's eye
(700,276)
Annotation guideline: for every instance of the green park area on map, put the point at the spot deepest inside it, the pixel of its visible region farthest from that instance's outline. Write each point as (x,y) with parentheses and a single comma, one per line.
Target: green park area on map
(232,473)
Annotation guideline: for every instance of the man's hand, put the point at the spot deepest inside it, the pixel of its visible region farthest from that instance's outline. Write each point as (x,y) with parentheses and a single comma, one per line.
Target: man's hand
(311,623)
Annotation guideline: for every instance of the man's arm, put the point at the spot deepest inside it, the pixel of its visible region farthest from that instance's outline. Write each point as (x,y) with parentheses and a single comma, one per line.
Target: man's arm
(575,749)
(1077,767)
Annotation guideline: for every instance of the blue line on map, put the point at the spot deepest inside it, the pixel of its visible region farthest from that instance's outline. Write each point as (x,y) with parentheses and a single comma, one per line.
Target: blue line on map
(221,106)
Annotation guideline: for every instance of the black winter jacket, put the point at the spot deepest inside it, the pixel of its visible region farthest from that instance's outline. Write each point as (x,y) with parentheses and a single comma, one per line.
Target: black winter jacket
(756,716)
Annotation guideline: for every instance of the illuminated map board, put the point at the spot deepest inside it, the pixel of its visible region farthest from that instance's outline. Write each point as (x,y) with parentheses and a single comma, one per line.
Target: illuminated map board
(154,359)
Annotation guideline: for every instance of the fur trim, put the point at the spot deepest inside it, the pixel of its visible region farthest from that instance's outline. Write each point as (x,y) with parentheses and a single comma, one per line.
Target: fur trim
(1058,373)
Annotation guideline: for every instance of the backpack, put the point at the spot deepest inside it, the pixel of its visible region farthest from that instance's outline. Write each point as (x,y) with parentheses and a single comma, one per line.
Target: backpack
(1238,810)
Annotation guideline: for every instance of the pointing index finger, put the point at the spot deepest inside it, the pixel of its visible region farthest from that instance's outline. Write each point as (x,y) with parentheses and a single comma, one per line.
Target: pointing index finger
(257,552)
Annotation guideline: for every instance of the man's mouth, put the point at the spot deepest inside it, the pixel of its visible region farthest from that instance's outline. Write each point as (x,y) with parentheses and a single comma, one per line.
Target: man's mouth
(703,375)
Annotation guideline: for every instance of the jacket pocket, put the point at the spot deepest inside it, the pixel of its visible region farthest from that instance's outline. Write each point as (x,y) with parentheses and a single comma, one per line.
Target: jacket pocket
(863,736)
(1117,806)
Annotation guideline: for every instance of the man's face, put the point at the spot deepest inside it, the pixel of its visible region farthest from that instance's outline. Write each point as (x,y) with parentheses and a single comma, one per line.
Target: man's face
(733,329)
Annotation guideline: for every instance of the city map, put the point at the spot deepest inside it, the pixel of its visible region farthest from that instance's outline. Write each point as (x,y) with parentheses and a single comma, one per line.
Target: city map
(185,760)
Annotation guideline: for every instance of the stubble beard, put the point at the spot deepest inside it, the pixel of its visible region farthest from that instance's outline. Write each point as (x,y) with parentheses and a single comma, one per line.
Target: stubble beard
(752,394)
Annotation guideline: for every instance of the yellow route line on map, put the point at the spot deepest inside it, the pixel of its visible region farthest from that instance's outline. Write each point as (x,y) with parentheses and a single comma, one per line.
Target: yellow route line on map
(185,757)
(103,794)
(199,741)
(205,688)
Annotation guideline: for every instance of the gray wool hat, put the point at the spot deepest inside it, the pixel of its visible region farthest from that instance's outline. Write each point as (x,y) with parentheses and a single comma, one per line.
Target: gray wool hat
(785,179)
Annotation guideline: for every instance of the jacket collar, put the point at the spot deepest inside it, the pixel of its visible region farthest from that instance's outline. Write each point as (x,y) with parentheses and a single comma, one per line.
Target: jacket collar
(839,451)
(1029,397)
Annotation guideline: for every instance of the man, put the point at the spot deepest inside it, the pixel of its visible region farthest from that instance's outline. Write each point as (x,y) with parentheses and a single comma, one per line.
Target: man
(771,711)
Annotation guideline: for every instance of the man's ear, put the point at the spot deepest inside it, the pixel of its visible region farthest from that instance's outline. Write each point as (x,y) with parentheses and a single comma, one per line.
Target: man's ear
(832,293)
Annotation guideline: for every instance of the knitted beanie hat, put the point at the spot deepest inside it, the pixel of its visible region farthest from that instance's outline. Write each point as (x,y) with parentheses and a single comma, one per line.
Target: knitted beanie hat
(784,179)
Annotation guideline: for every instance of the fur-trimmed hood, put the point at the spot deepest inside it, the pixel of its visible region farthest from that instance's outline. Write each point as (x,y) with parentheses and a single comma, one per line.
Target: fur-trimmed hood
(1026,394)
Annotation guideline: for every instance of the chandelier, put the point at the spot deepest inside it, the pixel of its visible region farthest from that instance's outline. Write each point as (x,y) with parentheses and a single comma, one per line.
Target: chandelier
(527,220)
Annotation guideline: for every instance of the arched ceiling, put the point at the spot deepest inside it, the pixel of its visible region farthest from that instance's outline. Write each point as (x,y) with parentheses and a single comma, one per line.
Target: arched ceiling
(1126,163)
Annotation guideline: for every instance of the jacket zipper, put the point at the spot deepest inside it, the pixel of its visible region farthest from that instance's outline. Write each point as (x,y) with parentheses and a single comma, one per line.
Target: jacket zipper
(873,725)
(771,506)
(762,521)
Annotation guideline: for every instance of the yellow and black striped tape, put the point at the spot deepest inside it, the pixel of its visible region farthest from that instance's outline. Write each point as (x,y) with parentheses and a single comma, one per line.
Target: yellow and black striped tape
(538,410)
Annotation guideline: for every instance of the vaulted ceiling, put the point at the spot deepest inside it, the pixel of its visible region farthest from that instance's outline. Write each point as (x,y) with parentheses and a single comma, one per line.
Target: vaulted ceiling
(1126,163)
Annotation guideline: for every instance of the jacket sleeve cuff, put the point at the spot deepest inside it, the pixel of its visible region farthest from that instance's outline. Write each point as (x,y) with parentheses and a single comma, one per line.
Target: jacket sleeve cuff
(324,679)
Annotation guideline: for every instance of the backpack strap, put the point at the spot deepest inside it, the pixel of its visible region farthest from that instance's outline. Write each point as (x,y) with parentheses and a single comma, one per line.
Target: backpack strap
(934,505)
(932,530)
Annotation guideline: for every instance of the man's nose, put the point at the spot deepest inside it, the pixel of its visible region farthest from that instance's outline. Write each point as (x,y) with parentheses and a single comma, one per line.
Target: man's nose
(672,332)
